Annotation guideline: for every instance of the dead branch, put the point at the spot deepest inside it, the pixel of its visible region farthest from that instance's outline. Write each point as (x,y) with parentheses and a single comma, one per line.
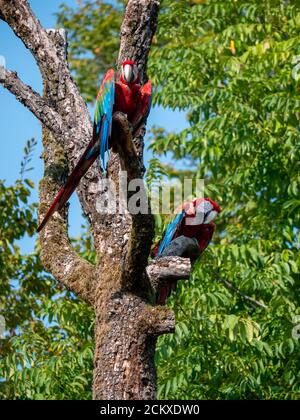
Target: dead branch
(126,322)
(56,251)
(33,101)
(168,269)
(21,19)
(234,289)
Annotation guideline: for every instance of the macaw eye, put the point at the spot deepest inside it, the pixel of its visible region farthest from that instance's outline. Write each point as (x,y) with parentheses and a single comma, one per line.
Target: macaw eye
(210,216)
(204,207)
(128,73)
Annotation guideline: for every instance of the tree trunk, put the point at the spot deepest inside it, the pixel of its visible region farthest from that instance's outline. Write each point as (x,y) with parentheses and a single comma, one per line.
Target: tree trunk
(124,355)
(122,286)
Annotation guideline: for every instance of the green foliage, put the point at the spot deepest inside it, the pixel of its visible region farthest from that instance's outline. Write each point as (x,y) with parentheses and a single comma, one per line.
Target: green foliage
(233,67)
(225,349)
(51,358)
(28,153)
(47,349)
(16,220)
(94,33)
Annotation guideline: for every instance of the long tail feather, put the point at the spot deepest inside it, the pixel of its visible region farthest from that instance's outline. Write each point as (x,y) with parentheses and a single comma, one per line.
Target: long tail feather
(88,158)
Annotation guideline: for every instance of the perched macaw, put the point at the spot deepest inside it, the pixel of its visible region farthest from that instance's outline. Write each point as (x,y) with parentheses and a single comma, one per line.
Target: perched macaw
(127,95)
(188,235)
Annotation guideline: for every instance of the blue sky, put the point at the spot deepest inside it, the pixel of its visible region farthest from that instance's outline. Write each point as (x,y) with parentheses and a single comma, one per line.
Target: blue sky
(18,124)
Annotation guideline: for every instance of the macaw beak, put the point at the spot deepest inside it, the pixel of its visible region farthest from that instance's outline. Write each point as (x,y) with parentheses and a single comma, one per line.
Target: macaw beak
(210,217)
(128,73)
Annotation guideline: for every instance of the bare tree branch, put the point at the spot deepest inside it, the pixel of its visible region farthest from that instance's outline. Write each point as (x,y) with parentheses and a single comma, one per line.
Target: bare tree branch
(168,269)
(141,224)
(33,101)
(138,28)
(66,114)
(158,320)
(76,117)
(57,254)
(49,51)
(126,322)
(67,267)
(56,251)
(19,16)
(249,299)
(123,145)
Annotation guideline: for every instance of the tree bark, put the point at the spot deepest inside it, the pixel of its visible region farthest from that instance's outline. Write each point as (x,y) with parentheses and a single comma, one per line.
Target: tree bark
(122,286)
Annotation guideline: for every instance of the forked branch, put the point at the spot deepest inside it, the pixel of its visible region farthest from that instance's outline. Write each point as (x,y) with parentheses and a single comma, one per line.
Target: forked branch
(33,101)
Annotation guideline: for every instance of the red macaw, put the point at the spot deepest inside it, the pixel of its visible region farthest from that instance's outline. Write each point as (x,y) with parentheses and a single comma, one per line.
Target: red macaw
(188,235)
(126,95)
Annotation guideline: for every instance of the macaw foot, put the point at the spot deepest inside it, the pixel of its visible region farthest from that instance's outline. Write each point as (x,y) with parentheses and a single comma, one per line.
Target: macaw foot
(182,247)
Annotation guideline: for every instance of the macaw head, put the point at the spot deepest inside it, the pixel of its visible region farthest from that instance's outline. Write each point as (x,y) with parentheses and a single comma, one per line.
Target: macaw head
(129,72)
(201,211)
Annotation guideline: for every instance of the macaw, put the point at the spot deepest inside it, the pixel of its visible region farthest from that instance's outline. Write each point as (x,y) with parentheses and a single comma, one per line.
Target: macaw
(188,235)
(126,95)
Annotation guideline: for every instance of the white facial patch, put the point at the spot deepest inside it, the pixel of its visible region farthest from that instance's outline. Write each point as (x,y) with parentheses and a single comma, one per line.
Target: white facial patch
(204,214)
(211,216)
(202,210)
(204,207)
(197,220)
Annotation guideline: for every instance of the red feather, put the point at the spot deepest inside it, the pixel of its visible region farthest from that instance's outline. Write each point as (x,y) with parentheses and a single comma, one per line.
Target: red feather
(78,172)
(133,100)
(143,110)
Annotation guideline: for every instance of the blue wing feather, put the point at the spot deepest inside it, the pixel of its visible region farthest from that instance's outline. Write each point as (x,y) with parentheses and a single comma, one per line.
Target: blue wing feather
(170,231)
(100,139)
(104,113)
